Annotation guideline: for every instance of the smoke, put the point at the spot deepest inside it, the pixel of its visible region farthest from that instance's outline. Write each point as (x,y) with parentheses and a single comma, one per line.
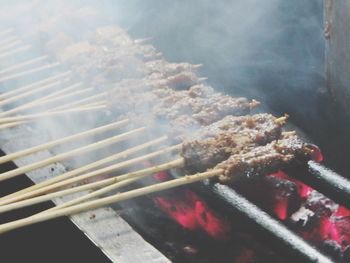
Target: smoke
(269,50)
(273,50)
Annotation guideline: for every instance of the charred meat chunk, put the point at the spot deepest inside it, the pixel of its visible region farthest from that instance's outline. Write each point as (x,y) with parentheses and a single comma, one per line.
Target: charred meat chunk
(279,154)
(231,135)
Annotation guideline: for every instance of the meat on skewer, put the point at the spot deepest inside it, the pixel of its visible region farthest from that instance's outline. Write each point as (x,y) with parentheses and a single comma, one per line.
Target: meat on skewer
(279,154)
(231,135)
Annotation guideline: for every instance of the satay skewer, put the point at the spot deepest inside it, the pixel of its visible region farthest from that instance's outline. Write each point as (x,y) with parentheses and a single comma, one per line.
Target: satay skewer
(101,103)
(38,189)
(34,85)
(49,114)
(30,92)
(70,138)
(68,92)
(15,51)
(79,102)
(90,205)
(112,183)
(64,96)
(29,71)
(67,179)
(10,45)
(71,153)
(97,104)
(276,120)
(12,124)
(92,104)
(23,64)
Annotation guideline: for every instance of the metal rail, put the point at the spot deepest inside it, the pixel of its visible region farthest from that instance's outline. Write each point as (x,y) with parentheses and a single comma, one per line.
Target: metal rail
(328,182)
(279,236)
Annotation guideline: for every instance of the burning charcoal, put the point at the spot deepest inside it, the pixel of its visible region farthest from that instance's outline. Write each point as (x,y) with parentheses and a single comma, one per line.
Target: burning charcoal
(332,248)
(303,189)
(302,216)
(285,198)
(343,227)
(217,142)
(320,204)
(215,226)
(276,195)
(346,254)
(327,225)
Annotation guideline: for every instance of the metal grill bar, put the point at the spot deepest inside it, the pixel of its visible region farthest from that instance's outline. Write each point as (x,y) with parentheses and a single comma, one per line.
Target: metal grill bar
(328,182)
(284,240)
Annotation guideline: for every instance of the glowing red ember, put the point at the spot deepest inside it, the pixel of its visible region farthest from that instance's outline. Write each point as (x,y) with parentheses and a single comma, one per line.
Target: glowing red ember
(191,212)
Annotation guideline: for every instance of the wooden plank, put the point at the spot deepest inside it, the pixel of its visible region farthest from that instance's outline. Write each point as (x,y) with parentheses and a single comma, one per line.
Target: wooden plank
(105,228)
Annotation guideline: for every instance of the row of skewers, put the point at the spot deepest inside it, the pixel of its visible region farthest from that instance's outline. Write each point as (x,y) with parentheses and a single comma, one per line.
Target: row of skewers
(207,144)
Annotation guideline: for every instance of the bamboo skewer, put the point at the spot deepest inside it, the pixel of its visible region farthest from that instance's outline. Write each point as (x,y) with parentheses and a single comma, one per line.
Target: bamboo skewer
(71,180)
(63,156)
(6,32)
(87,107)
(10,45)
(29,93)
(36,84)
(12,124)
(15,51)
(22,194)
(90,205)
(52,187)
(62,91)
(48,114)
(67,95)
(10,39)
(23,64)
(108,185)
(78,102)
(111,185)
(74,137)
(46,99)
(55,99)
(96,103)
(29,72)
(108,169)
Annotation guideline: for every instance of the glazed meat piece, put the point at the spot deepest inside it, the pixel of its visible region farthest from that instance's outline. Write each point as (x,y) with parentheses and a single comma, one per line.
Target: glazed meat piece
(279,154)
(232,135)
(166,69)
(202,104)
(199,105)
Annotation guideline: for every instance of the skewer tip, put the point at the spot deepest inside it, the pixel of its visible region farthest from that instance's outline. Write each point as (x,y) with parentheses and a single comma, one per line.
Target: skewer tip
(289,133)
(143,40)
(282,120)
(253,104)
(196,66)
